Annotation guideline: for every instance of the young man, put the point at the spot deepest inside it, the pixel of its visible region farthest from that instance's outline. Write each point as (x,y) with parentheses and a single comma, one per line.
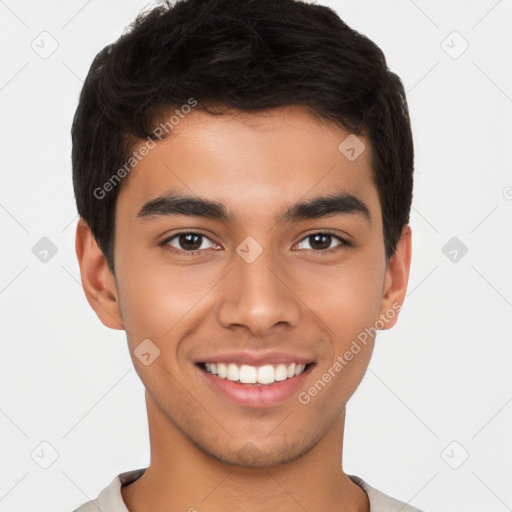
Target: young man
(243,171)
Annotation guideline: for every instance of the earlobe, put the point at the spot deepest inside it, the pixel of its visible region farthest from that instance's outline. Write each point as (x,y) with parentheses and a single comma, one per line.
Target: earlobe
(97,280)
(396,280)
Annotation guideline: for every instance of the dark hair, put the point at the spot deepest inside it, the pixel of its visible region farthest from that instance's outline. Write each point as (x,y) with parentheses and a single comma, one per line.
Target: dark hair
(249,55)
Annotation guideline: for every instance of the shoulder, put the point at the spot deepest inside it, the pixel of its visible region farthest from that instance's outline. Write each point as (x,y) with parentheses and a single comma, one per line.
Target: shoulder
(381,502)
(110,498)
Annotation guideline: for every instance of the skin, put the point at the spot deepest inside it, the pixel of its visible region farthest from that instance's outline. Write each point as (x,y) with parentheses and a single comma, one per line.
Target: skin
(206,452)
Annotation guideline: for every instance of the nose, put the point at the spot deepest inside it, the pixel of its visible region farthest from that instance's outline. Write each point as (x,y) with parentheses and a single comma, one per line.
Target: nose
(258,296)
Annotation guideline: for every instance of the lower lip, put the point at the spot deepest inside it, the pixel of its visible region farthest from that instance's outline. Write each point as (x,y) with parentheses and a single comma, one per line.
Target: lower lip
(250,395)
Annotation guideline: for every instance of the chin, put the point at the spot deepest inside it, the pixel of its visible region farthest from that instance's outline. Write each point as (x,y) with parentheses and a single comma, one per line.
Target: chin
(262,454)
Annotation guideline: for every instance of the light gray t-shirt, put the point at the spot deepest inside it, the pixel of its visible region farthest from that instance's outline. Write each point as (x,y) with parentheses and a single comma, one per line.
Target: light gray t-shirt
(111,500)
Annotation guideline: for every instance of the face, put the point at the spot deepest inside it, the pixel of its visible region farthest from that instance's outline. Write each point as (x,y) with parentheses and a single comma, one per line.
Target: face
(251,286)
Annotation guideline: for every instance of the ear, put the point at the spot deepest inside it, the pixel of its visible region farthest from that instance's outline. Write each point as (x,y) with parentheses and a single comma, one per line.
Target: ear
(395,281)
(97,280)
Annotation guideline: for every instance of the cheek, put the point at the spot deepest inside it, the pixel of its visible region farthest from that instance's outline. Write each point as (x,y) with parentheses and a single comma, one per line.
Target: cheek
(158,303)
(346,296)
(347,302)
(160,298)
(157,298)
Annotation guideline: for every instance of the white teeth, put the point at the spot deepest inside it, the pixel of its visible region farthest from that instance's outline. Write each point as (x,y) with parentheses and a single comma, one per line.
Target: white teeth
(233,372)
(281,372)
(266,374)
(222,370)
(247,374)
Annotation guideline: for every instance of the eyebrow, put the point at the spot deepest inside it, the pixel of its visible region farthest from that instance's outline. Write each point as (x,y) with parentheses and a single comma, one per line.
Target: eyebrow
(174,203)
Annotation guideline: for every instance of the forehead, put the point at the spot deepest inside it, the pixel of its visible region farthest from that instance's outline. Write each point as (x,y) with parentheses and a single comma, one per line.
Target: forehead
(253,162)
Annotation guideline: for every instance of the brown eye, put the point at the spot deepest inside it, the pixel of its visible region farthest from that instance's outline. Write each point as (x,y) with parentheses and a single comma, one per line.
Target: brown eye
(187,242)
(190,241)
(323,242)
(320,241)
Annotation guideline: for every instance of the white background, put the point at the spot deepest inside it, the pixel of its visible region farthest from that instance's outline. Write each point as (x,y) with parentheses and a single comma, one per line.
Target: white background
(443,374)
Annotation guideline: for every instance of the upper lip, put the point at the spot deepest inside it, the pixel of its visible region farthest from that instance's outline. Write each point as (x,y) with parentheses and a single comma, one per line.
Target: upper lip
(255,358)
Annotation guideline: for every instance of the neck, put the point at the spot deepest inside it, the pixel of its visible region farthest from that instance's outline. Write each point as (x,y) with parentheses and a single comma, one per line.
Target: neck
(181,476)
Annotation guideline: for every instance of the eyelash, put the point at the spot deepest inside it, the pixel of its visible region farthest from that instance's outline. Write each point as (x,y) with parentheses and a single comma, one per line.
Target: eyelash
(169,248)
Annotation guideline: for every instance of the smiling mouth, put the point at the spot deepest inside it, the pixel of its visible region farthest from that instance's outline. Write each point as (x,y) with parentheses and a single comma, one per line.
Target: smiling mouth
(265,375)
